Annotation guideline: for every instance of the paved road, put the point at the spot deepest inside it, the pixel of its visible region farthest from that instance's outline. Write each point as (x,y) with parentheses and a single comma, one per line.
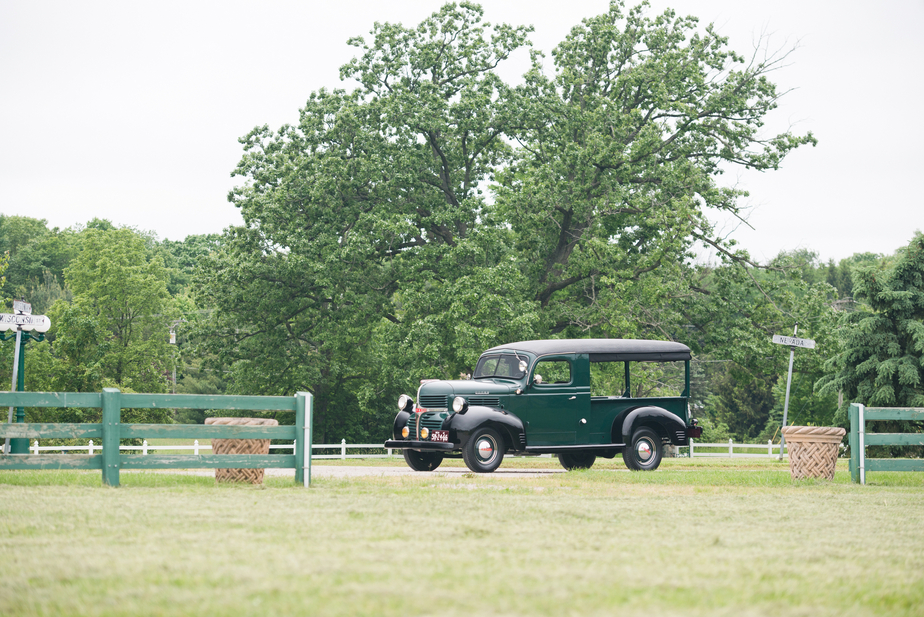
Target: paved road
(337,471)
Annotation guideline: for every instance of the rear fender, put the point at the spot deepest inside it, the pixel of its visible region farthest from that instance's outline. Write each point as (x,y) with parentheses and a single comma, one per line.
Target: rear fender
(462,425)
(668,425)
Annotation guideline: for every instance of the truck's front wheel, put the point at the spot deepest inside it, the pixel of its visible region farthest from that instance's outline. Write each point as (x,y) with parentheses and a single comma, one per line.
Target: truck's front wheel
(422,461)
(484,451)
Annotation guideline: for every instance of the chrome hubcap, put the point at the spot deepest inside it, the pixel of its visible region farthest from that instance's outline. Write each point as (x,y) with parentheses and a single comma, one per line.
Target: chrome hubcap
(485,449)
(643,450)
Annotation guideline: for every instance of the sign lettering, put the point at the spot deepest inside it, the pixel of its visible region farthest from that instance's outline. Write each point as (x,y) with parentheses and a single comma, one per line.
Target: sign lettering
(792,341)
(40,323)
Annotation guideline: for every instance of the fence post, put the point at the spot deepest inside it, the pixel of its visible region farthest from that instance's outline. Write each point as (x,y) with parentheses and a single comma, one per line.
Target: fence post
(112,411)
(35,448)
(691,448)
(343,449)
(731,452)
(299,446)
(853,440)
(144,447)
(90,448)
(769,447)
(196,447)
(862,453)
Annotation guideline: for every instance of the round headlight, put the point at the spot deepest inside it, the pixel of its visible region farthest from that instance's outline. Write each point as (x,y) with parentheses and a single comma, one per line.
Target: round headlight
(459,404)
(424,433)
(404,402)
(405,432)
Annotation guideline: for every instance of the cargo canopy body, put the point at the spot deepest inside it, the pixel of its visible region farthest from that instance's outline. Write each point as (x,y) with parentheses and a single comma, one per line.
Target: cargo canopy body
(605,349)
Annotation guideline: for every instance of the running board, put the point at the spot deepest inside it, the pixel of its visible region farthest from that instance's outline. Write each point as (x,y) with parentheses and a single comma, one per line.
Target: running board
(586,448)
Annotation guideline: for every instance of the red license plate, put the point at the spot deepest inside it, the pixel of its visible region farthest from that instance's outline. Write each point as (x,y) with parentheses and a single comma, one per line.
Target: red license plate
(439,436)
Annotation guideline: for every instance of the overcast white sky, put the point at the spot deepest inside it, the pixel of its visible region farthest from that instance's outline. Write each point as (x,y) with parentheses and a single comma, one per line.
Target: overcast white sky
(131,111)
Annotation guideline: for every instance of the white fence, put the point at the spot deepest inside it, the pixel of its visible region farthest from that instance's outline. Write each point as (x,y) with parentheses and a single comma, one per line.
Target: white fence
(770,450)
(144,448)
(695,450)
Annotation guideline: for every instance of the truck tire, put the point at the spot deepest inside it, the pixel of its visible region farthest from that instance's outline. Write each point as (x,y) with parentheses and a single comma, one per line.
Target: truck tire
(484,451)
(644,452)
(422,461)
(577,460)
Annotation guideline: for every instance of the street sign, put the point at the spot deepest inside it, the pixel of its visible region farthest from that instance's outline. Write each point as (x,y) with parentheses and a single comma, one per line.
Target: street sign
(39,323)
(22,307)
(792,341)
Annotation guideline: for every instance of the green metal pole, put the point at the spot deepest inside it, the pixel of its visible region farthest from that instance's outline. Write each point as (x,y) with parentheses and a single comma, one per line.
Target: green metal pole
(20,445)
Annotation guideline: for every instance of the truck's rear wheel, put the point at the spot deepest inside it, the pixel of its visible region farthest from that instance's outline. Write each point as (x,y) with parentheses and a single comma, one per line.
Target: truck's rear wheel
(422,461)
(644,452)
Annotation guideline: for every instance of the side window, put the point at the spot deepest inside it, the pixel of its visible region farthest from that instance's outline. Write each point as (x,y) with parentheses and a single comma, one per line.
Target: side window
(553,371)
(607,378)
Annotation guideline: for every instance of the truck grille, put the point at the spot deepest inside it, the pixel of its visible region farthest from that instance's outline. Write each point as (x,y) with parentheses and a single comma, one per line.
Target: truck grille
(431,420)
(433,401)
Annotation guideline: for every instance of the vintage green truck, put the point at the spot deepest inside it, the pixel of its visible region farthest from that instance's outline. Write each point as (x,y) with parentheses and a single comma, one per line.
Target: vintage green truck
(536,397)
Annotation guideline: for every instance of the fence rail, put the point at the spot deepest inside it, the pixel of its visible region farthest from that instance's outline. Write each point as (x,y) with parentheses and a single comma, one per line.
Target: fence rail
(145,448)
(728,450)
(859,439)
(110,431)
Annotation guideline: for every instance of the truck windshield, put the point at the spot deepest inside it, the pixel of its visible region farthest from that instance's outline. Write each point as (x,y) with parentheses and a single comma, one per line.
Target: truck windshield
(498,366)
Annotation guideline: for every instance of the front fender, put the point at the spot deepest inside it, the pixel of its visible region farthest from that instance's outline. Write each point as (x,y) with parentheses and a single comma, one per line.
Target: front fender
(667,424)
(400,423)
(462,425)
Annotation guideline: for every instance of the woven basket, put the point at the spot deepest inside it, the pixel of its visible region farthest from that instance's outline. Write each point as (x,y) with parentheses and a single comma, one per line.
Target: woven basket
(241,446)
(812,450)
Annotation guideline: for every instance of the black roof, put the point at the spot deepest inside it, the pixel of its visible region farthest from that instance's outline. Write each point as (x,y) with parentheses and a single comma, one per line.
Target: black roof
(604,349)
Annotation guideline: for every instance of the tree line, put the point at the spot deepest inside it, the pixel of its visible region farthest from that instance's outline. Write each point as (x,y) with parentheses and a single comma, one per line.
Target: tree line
(434,210)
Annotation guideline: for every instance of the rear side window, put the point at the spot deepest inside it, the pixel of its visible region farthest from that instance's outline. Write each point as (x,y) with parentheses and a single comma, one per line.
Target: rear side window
(553,371)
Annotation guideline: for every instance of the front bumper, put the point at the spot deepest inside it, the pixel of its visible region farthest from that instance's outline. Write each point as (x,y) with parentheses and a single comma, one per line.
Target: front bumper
(423,446)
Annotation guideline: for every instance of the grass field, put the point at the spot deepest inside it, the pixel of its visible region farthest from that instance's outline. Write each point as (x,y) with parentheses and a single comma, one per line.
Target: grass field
(710,537)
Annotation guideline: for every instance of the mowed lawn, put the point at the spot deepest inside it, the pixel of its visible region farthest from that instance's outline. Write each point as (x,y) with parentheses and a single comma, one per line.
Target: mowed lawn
(705,537)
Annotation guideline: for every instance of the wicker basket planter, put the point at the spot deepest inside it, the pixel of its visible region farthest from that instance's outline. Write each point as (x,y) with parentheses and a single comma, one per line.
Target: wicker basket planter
(241,446)
(813,450)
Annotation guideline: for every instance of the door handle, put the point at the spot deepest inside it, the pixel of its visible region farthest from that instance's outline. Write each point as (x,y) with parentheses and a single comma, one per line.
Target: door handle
(572,398)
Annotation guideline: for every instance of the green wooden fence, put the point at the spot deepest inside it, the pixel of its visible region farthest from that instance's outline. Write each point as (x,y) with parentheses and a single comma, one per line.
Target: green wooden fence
(111,430)
(859,439)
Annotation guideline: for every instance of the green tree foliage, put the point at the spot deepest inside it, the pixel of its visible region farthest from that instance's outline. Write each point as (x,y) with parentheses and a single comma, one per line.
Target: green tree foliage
(38,255)
(731,322)
(372,254)
(114,333)
(881,360)
(622,147)
(182,258)
(370,190)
